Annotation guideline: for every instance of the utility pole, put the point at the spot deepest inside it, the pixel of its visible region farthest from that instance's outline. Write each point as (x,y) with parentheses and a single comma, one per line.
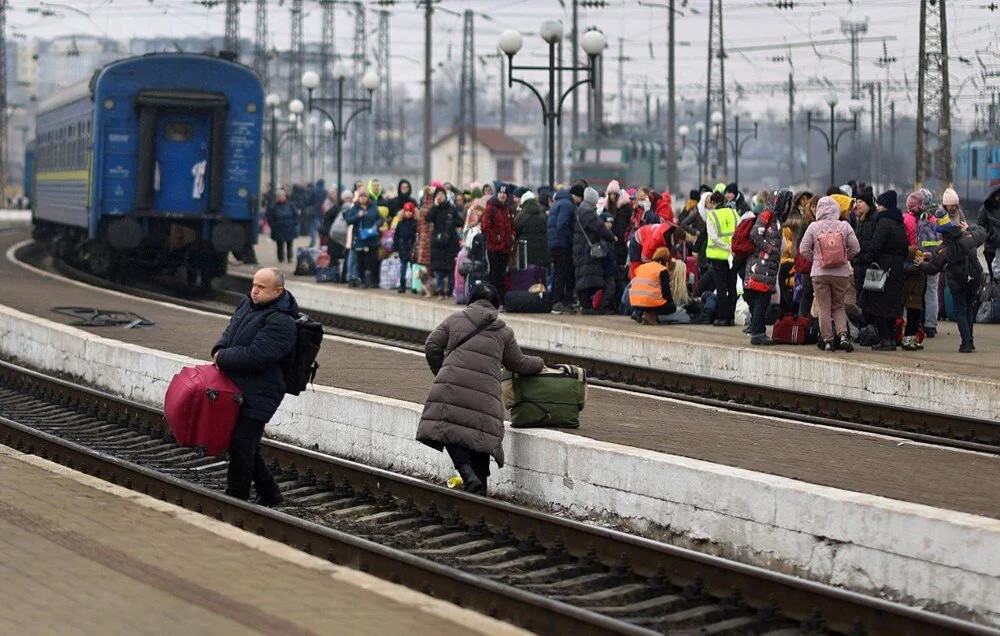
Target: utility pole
(467,99)
(560,151)
(892,143)
(361,137)
(854,29)
(260,61)
(4,150)
(327,50)
(873,170)
(933,159)
(233,27)
(384,150)
(295,85)
(791,124)
(428,105)
(673,182)
(575,104)
(715,90)
(881,154)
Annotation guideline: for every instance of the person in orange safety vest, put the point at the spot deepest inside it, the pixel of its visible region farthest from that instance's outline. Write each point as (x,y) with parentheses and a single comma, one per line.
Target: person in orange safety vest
(649,292)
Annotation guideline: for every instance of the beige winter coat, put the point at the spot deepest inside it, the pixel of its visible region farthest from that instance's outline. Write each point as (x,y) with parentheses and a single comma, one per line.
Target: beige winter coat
(464,405)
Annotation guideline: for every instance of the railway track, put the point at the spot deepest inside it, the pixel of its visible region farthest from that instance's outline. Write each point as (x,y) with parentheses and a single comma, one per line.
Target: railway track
(946,430)
(542,572)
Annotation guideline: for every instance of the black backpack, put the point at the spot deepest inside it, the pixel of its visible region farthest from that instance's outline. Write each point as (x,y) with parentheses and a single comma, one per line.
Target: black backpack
(300,366)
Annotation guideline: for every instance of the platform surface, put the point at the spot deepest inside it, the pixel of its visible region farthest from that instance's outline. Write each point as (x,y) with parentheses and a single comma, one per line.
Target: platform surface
(78,555)
(954,480)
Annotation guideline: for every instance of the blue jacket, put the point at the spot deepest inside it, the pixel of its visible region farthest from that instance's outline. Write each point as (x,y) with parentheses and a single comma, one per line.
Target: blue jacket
(363,219)
(252,348)
(562,216)
(284,221)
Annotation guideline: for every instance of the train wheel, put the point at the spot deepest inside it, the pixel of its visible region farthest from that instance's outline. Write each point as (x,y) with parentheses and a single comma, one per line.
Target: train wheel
(96,257)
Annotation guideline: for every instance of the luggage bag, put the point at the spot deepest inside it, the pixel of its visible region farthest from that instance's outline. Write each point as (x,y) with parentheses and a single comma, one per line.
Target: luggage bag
(522,279)
(792,329)
(389,271)
(526,302)
(201,407)
(554,397)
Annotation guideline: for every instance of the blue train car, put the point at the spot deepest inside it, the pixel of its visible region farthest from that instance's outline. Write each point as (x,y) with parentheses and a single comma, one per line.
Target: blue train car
(977,172)
(153,163)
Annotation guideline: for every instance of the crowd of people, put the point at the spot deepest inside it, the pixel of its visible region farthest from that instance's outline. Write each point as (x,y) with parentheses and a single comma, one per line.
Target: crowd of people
(875,270)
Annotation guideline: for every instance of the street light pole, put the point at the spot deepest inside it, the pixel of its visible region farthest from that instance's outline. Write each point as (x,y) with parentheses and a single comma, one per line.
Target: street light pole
(370,82)
(737,144)
(833,139)
(699,154)
(552,32)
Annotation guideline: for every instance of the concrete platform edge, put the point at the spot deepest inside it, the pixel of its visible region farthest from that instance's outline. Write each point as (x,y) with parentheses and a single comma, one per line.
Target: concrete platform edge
(909,552)
(473,621)
(835,377)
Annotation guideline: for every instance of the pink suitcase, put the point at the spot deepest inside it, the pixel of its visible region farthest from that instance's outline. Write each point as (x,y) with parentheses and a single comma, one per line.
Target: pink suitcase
(201,407)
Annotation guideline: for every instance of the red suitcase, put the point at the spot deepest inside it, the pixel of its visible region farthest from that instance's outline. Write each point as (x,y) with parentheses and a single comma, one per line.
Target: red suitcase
(791,329)
(201,407)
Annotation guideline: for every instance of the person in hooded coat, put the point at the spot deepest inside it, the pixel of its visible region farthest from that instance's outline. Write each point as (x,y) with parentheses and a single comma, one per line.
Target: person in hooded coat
(404,195)
(989,219)
(464,412)
(497,224)
(620,209)
(761,274)
(445,223)
(590,230)
(531,226)
(283,219)
(888,248)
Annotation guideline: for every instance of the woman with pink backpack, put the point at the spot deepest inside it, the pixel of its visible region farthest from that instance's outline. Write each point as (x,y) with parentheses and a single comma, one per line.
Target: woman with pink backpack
(830,244)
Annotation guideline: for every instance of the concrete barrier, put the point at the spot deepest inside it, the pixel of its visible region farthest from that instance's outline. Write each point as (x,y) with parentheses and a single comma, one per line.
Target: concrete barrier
(935,558)
(15,216)
(831,376)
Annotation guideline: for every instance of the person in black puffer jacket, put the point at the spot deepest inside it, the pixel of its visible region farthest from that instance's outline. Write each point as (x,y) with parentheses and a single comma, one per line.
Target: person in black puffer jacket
(888,247)
(989,219)
(403,239)
(250,352)
(445,221)
(590,230)
(530,224)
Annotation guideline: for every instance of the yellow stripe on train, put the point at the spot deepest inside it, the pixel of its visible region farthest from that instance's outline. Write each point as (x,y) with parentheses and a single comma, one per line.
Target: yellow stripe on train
(65,175)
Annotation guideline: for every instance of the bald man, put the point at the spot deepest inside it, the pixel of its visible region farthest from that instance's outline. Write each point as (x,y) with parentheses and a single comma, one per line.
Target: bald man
(259,337)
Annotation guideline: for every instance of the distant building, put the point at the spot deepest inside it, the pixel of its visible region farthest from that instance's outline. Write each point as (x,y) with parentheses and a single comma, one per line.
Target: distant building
(498,156)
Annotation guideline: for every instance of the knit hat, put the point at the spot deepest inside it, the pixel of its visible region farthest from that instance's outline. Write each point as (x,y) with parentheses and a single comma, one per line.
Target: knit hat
(732,188)
(887,199)
(914,202)
(527,195)
(590,196)
(606,216)
(613,187)
(408,206)
(943,221)
(720,187)
(440,188)
(577,190)
(503,187)
(519,191)
(694,194)
(847,189)
(868,197)
(950,197)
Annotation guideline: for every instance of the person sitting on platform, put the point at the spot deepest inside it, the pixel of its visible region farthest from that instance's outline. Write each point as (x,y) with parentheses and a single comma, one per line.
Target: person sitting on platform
(649,292)
(464,413)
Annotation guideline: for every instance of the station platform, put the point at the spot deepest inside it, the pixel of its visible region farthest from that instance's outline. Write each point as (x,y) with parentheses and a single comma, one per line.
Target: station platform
(864,511)
(937,378)
(81,555)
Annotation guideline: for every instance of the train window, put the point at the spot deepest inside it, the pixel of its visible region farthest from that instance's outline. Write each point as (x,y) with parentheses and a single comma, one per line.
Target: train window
(611,155)
(590,154)
(975,163)
(177,131)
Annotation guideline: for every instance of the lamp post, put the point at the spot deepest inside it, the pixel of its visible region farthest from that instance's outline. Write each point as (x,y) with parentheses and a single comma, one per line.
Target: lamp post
(327,133)
(698,149)
(295,107)
(310,81)
(593,44)
(737,144)
(833,139)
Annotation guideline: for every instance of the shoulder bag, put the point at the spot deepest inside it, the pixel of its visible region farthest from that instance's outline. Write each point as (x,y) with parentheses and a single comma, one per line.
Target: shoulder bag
(875,278)
(596,249)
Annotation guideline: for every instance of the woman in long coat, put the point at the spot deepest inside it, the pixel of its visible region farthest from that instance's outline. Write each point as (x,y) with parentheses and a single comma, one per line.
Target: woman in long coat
(589,230)
(888,247)
(464,411)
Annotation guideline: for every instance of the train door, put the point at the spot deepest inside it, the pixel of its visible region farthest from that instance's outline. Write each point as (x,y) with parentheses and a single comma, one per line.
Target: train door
(183,158)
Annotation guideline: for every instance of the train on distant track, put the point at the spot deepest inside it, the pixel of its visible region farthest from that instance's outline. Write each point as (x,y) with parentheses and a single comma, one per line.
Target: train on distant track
(628,159)
(152,164)
(977,171)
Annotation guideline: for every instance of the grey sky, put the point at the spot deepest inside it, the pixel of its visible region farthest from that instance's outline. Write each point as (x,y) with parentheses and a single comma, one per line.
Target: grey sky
(974,35)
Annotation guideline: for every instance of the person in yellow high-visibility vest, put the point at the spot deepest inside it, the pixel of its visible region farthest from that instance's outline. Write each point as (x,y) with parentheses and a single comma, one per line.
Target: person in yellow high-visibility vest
(720,223)
(649,292)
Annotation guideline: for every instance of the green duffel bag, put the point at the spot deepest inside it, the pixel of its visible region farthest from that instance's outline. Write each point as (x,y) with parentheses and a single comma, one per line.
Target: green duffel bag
(554,397)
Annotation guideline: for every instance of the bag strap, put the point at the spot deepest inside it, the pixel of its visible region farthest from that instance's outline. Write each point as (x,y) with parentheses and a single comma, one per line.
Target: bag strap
(478,330)
(583,229)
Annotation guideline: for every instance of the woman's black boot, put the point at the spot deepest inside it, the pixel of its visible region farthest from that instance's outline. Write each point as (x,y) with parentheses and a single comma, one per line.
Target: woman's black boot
(470,482)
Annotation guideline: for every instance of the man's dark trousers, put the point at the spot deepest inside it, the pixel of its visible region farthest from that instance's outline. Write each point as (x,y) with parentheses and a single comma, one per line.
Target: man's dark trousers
(245,463)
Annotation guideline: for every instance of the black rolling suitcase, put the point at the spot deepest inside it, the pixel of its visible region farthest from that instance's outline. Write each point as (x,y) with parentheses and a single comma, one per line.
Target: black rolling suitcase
(527,302)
